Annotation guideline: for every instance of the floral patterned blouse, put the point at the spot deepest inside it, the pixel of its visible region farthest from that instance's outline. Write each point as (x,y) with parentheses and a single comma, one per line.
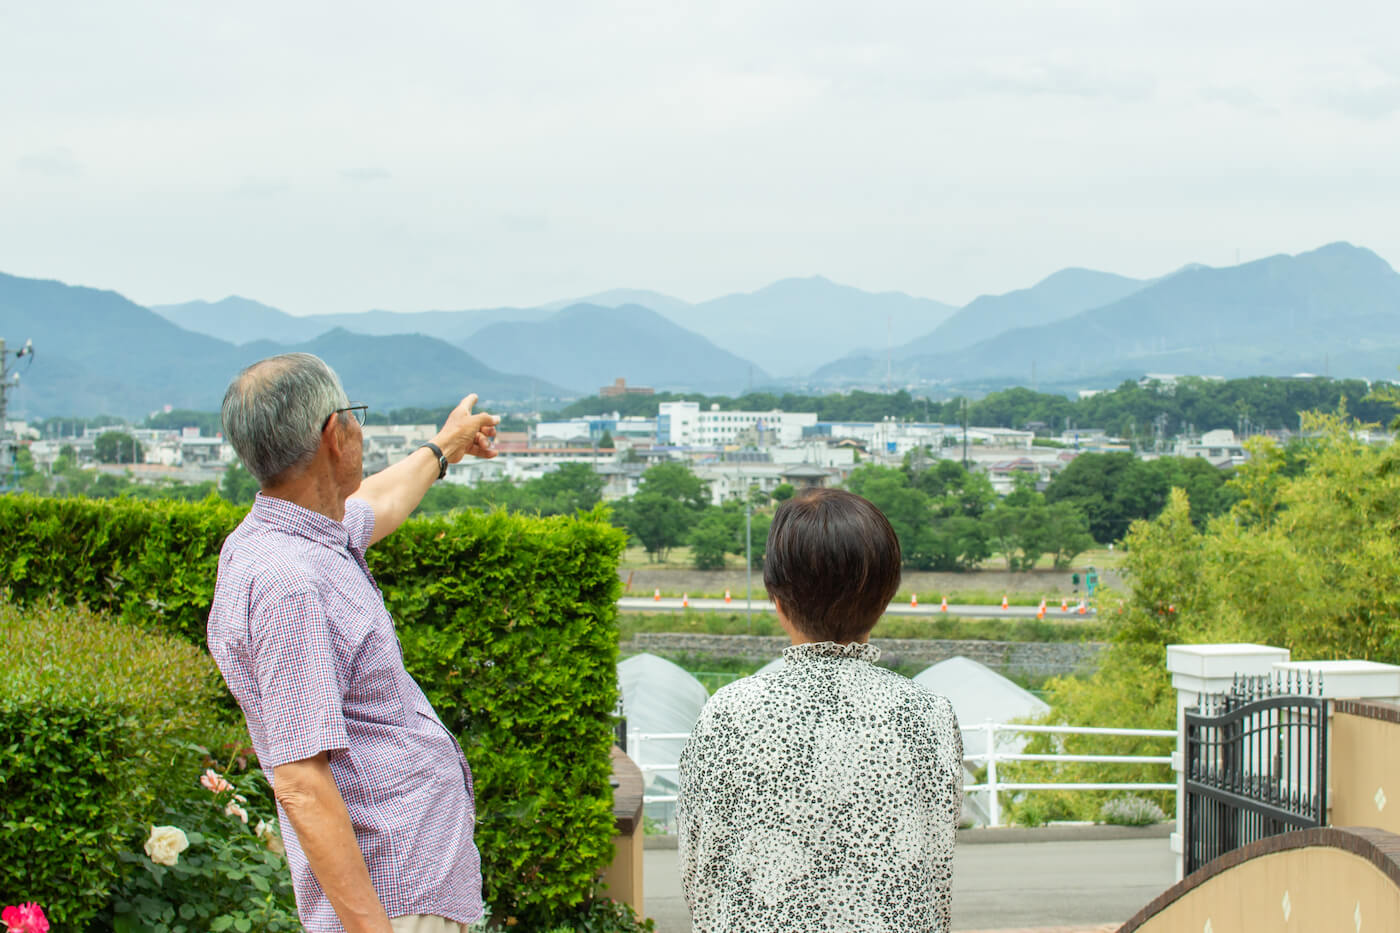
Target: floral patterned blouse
(824,795)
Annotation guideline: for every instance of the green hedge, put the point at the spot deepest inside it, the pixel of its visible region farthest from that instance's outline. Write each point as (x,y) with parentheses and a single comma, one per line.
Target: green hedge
(508,622)
(90,715)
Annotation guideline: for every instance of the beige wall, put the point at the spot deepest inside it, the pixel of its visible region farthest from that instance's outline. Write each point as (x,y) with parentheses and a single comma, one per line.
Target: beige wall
(1326,890)
(1364,772)
(622,880)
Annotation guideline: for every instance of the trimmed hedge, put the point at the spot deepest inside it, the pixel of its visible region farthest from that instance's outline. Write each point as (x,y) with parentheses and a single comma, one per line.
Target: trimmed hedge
(90,714)
(508,623)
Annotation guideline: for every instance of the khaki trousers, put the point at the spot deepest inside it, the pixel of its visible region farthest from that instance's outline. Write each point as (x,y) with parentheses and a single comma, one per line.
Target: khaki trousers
(422,923)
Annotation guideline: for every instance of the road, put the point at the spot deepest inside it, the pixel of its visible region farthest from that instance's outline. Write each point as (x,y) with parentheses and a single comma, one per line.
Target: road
(670,604)
(1001,886)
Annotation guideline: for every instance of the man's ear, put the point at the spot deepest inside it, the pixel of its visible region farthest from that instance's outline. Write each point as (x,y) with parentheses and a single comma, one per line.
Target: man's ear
(332,436)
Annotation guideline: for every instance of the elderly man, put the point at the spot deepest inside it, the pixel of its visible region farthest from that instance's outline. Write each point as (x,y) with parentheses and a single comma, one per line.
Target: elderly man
(374,793)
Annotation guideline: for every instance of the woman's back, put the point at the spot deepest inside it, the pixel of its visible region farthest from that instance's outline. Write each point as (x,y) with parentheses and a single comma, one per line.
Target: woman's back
(821,796)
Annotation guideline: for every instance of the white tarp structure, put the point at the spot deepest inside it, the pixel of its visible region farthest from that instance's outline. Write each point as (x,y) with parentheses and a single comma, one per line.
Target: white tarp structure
(658,697)
(980,695)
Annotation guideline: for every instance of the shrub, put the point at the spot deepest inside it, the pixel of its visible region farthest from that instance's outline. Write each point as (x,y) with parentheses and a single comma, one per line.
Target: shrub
(508,623)
(1131,811)
(89,712)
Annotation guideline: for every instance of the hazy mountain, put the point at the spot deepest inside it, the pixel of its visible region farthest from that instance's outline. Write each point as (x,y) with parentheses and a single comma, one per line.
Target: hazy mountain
(399,370)
(239,320)
(587,346)
(791,326)
(97,352)
(1063,294)
(1335,309)
(617,297)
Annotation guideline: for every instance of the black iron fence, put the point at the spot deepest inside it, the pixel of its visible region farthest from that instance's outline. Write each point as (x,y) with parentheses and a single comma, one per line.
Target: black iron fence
(1256,764)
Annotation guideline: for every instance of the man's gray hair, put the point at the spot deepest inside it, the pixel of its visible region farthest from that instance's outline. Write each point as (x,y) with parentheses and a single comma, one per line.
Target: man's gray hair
(273,412)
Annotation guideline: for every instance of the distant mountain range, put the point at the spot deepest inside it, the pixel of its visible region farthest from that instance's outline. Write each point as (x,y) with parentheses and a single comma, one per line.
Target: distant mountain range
(97,352)
(792,324)
(587,346)
(240,320)
(1333,309)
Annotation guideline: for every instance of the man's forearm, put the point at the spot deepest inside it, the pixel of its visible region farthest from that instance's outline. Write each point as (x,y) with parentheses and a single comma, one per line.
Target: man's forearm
(314,807)
(395,491)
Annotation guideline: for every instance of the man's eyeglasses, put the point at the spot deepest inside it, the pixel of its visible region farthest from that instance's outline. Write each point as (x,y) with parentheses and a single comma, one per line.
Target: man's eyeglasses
(358,410)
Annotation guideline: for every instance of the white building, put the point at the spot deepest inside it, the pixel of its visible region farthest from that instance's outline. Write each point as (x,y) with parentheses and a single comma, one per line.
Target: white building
(683,424)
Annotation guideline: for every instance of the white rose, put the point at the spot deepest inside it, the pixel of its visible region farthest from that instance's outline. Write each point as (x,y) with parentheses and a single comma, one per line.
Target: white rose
(234,809)
(166,843)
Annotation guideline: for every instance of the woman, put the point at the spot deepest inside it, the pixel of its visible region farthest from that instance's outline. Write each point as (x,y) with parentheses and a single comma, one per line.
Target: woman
(823,795)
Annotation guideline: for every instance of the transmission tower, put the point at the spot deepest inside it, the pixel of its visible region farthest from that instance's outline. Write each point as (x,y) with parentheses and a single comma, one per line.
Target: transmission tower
(9,381)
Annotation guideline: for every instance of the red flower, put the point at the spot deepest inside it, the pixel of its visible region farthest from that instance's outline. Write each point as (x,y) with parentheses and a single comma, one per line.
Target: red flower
(26,918)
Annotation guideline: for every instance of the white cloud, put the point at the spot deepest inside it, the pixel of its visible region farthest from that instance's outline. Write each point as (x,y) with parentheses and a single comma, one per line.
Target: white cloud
(452,155)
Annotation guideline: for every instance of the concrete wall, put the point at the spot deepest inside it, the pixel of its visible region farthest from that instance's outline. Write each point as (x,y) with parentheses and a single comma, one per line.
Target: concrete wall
(1326,880)
(1364,767)
(1006,657)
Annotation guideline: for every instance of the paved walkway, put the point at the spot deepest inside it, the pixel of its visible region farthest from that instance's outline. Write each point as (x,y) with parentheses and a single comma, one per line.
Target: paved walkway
(1035,887)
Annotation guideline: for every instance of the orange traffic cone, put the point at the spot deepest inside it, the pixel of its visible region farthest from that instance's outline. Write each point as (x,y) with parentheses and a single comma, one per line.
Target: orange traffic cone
(726,596)
(657,595)
(944,607)
(914,601)
(1040,613)
(1082,608)
(1004,603)
(1064,605)
(685,600)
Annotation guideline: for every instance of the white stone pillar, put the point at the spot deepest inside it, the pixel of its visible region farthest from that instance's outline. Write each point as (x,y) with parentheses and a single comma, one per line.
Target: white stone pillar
(1204,669)
(1346,680)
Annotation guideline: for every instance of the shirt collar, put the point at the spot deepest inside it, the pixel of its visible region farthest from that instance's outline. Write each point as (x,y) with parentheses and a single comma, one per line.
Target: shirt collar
(815,650)
(294,519)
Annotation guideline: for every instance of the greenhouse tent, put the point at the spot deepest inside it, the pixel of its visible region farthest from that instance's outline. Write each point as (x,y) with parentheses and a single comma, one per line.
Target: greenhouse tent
(658,697)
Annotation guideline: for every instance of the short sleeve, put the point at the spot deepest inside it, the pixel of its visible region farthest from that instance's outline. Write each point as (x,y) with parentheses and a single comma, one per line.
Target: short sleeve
(293,665)
(359,523)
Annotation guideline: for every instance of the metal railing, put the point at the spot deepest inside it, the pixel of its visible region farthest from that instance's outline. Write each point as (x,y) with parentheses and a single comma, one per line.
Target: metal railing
(991,786)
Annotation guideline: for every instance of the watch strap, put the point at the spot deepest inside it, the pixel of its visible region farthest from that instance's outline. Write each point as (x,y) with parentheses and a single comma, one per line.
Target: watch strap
(437,452)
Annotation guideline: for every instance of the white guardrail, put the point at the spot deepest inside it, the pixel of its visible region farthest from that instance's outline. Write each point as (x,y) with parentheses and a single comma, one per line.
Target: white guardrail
(991,758)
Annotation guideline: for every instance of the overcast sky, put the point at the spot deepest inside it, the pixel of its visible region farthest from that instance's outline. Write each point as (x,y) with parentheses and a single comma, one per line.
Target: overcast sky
(338,157)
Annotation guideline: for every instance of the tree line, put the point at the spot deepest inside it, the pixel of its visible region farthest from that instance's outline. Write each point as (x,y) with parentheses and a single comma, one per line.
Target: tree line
(1132,411)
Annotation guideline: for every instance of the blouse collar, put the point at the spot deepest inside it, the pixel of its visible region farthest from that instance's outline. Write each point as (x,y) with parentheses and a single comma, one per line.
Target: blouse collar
(814,650)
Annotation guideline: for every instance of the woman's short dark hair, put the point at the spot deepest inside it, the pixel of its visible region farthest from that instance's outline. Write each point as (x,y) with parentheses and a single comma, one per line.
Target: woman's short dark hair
(833,562)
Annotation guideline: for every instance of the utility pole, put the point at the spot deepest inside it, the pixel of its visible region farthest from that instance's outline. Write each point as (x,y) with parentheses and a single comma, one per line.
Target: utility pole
(964,421)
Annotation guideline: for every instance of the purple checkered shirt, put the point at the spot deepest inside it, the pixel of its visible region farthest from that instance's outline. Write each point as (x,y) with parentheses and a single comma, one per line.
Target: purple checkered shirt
(299,629)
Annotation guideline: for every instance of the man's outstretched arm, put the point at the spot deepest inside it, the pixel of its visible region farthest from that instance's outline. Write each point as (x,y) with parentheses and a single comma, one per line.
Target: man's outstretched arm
(394,493)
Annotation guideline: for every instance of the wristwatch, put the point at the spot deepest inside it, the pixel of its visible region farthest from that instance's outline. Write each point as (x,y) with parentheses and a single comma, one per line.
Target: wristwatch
(437,452)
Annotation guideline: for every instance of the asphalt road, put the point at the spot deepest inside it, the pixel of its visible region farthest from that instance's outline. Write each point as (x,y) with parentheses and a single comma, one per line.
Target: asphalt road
(1000,886)
(669,604)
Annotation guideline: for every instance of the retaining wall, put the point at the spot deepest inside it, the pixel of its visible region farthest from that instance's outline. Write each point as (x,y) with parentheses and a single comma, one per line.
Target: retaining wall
(1008,657)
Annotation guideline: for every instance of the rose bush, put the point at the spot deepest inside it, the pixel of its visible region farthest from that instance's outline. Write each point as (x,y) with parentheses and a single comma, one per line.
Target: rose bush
(218,865)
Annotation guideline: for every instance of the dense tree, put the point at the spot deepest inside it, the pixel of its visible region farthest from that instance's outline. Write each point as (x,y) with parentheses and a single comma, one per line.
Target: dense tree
(1115,489)
(116,447)
(208,422)
(659,522)
(676,481)
(238,485)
